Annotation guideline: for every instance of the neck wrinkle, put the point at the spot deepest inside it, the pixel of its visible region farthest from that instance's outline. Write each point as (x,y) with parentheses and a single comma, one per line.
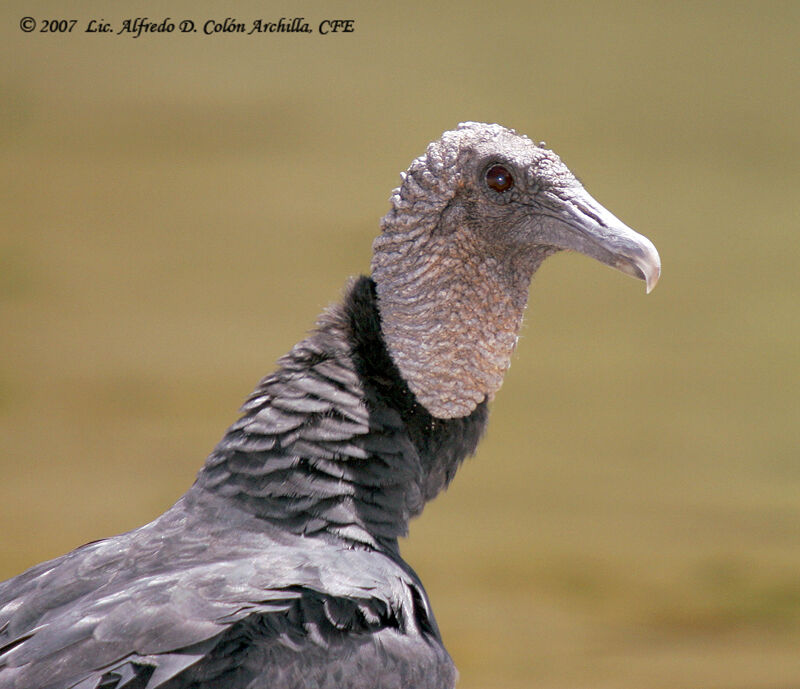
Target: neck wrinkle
(451,313)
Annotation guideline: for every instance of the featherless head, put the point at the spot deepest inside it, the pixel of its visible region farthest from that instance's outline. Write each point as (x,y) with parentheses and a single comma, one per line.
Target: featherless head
(472,220)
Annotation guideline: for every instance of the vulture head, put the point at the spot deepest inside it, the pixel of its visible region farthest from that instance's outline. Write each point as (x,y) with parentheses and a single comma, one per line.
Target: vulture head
(473,219)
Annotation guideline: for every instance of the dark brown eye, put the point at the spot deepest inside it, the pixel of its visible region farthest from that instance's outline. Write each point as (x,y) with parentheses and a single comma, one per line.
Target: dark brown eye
(499,178)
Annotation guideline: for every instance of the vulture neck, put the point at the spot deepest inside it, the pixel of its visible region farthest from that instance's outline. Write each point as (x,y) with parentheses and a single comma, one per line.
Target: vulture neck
(451,308)
(334,444)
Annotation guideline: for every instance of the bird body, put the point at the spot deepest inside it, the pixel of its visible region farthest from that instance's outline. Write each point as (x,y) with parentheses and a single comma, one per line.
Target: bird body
(280,567)
(285,549)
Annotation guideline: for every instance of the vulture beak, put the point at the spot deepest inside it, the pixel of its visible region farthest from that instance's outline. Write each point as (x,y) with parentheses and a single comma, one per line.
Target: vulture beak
(585,226)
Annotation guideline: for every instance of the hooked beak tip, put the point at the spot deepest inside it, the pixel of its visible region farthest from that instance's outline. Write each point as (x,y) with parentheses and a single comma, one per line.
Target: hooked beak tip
(652,281)
(641,260)
(650,265)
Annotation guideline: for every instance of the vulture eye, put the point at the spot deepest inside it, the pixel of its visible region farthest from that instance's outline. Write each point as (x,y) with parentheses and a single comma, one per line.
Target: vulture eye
(499,178)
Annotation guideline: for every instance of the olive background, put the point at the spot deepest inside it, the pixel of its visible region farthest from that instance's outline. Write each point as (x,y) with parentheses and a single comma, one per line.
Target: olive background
(176,210)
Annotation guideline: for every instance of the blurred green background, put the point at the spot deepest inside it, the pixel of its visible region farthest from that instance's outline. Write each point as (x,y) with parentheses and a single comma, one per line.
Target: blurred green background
(176,211)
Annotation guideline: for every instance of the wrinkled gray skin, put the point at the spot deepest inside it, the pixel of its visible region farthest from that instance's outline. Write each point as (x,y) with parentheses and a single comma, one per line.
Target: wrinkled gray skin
(279,568)
(455,259)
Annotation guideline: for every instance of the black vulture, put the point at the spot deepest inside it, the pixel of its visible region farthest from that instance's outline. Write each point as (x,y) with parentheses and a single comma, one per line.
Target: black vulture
(280,567)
